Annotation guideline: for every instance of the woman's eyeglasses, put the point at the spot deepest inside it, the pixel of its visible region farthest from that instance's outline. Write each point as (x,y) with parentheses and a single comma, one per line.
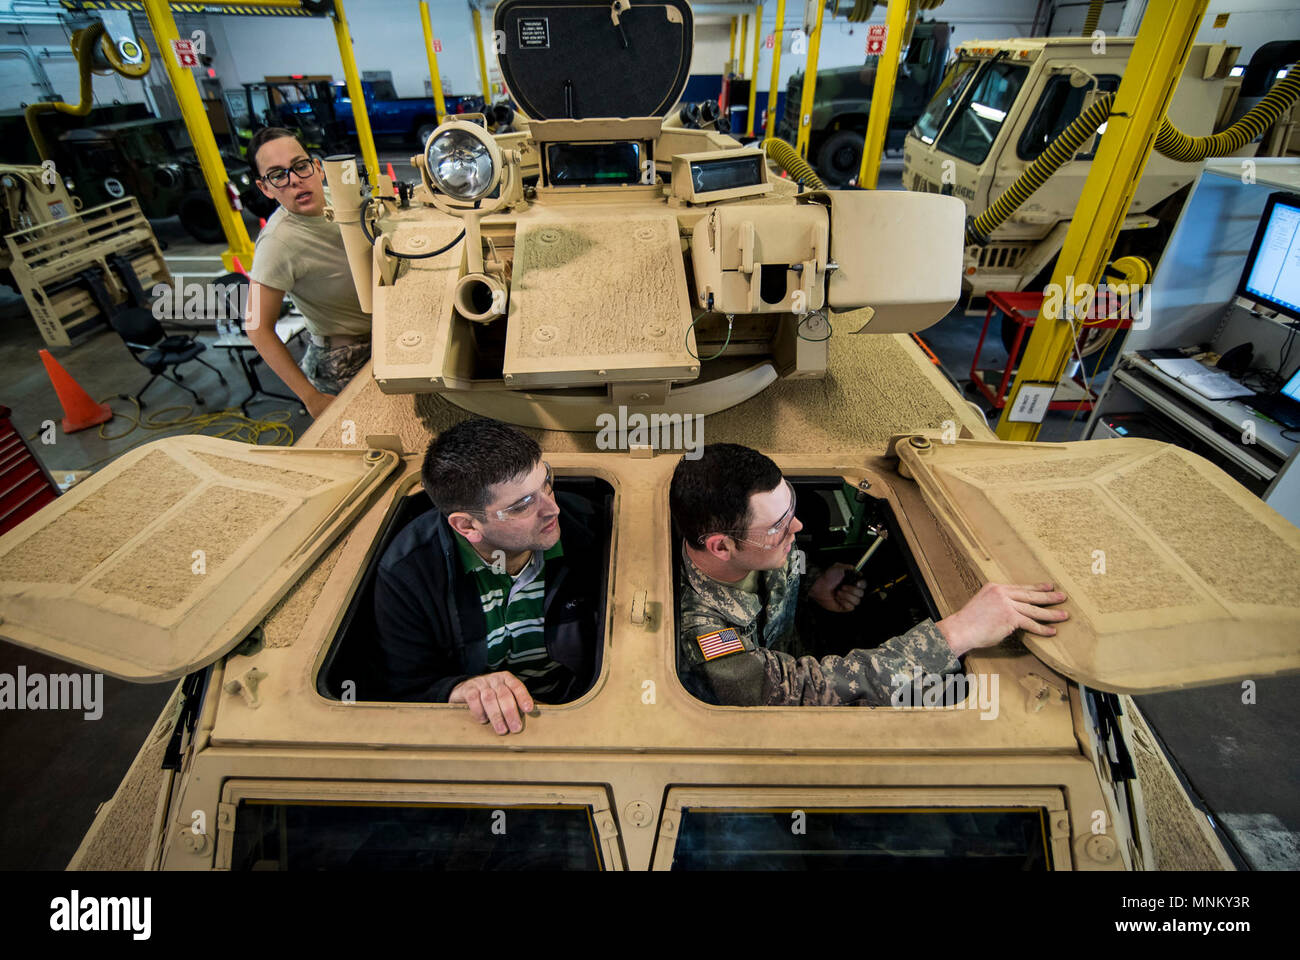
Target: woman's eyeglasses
(279,176)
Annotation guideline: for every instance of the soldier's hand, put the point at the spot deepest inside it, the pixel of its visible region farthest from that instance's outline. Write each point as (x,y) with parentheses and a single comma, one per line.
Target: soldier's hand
(997,611)
(496,698)
(830,592)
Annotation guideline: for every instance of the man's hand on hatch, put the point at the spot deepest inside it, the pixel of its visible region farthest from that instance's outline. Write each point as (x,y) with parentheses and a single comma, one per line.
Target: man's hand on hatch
(997,611)
(496,698)
(830,592)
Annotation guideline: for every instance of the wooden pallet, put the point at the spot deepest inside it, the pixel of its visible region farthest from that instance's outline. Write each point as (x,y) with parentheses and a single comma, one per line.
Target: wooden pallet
(48,257)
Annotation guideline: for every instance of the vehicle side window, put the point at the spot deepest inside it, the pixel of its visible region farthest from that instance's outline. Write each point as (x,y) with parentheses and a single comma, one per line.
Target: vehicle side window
(840,523)
(863,839)
(375,836)
(351,666)
(971,133)
(1057,108)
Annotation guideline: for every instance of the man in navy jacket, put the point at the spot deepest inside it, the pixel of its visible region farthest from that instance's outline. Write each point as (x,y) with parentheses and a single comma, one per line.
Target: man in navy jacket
(490,599)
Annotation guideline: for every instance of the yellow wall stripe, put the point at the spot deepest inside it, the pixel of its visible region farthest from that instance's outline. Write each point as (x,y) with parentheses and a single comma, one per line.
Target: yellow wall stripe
(225,9)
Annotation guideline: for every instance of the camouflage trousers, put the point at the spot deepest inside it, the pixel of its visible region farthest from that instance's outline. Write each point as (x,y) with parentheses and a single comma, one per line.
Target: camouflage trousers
(329,370)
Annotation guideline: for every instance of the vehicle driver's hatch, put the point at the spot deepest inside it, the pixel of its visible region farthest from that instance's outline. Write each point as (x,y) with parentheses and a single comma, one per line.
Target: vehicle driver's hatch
(589,59)
(1177,576)
(165,559)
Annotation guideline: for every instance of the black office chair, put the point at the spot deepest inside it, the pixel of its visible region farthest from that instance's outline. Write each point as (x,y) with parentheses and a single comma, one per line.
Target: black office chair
(154,350)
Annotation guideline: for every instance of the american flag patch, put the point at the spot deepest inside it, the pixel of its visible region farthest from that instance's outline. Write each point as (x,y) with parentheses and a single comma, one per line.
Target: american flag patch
(720,643)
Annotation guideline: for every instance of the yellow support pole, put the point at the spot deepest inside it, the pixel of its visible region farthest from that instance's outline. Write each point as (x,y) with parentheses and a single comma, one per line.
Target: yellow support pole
(731,57)
(164,30)
(432,54)
(360,116)
(809,85)
(753,80)
(482,58)
(775,85)
(1158,59)
(882,95)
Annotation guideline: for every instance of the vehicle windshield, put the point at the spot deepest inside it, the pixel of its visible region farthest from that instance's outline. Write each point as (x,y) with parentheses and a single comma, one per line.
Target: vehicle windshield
(972,131)
(949,92)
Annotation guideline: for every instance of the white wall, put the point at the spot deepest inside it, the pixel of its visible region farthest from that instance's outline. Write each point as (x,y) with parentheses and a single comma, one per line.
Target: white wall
(843,43)
(1067,20)
(1251,23)
(51,45)
(386,35)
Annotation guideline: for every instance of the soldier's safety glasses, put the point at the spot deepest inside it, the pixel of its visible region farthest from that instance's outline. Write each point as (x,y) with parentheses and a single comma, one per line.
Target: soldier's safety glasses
(525,506)
(279,176)
(774,535)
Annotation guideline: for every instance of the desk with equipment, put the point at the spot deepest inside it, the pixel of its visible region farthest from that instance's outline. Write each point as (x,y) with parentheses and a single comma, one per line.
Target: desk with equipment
(236,341)
(1214,369)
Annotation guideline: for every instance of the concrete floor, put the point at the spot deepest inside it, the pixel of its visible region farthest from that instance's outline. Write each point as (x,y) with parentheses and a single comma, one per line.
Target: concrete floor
(1238,759)
(102,365)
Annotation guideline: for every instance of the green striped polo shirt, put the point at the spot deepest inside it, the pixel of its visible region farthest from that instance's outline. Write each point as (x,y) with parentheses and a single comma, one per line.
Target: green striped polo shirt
(513,609)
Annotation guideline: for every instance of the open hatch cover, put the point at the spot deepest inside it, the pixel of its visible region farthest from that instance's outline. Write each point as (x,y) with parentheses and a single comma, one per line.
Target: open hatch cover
(584,60)
(1177,576)
(166,559)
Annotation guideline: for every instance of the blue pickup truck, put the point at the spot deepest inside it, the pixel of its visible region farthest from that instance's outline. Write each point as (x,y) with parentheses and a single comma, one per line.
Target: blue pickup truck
(411,118)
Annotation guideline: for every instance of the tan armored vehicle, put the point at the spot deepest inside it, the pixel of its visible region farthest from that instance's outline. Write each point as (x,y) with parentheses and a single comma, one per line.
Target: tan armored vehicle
(250,571)
(601,279)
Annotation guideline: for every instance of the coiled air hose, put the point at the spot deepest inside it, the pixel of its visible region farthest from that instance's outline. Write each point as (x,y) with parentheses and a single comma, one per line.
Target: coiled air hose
(1176,145)
(1094,14)
(1170,142)
(862,10)
(83,49)
(788,159)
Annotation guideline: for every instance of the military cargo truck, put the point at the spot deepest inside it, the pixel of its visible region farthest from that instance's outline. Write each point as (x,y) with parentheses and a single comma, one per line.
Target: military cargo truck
(842,104)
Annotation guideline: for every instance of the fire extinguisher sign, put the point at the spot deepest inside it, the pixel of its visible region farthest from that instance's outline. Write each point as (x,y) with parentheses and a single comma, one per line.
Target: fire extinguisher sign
(183,51)
(876,39)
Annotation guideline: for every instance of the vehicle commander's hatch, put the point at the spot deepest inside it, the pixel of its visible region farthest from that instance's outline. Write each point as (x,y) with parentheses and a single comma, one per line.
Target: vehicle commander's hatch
(589,59)
(166,559)
(1176,575)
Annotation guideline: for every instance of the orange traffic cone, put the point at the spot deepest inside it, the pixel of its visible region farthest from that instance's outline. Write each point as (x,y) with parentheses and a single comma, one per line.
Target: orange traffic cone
(79,411)
(261,224)
(391,176)
(239,267)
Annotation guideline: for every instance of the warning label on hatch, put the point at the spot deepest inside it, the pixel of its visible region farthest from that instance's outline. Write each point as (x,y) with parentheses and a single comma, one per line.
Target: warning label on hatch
(535,33)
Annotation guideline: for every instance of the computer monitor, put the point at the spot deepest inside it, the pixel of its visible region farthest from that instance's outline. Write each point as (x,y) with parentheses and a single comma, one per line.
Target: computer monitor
(1291,389)
(1271,276)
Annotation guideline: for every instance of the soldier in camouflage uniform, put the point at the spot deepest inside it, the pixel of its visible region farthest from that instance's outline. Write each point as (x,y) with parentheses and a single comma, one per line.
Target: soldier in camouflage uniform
(737,641)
